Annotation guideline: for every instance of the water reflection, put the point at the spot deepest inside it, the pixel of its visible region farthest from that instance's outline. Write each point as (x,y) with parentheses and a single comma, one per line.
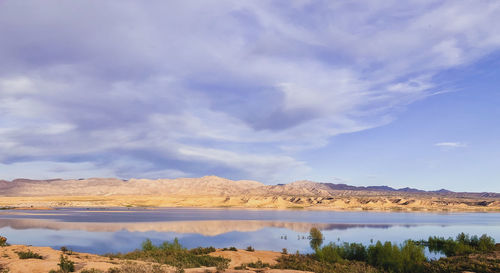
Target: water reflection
(207,228)
(121,230)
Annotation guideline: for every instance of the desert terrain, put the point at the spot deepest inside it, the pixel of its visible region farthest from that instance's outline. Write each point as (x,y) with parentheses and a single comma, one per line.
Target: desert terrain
(85,261)
(212,191)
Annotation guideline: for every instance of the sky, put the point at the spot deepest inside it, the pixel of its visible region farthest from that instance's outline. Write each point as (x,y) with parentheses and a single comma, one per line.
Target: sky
(397,93)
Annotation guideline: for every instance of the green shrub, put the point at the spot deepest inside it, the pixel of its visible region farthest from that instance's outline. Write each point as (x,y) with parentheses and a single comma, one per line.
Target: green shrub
(222,265)
(480,264)
(462,245)
(202,250)
(412,257)
(250,248)
(174,254)
(328,253)
(353,251)
(174,246)
(309,263)
(258,264)
(486,243)
(384,256)
(409,257)
(29,255)
(65,265)
(147,245)
(131,267)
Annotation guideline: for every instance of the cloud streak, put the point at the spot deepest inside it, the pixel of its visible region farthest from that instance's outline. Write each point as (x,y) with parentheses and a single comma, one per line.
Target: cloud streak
(451,144)
(236,89)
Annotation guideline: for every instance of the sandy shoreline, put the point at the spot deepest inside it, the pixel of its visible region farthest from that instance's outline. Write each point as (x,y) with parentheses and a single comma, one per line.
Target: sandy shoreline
(86,261)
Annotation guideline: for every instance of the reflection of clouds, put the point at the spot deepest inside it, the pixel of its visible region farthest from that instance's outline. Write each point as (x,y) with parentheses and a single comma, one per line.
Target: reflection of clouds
(207,228)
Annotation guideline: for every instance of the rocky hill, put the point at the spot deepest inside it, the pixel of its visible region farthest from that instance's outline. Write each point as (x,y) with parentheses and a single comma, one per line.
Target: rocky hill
(203,186)
(213,191)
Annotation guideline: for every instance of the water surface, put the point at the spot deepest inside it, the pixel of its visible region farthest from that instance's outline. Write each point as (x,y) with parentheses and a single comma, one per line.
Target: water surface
(122,229)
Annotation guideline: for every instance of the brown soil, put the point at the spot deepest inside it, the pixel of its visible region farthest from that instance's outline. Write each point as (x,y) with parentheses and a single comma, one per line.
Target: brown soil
(10,260)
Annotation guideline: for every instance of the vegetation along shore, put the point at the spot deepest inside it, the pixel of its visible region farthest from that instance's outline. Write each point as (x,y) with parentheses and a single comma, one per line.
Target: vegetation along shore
(464,253)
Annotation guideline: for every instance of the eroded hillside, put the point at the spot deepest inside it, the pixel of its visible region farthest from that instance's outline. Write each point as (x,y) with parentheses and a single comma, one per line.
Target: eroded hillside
(212,191)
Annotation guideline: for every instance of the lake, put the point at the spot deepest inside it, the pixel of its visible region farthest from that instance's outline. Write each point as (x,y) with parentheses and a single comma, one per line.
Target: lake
(123,229)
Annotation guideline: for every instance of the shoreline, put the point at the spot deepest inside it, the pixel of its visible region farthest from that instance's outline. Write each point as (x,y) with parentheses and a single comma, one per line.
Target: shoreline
(39,259)
(107,208)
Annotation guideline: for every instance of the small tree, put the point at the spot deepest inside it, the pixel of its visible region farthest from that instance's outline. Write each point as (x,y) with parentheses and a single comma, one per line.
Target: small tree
(3,241)
(66,265)
(147,245)
(316,238)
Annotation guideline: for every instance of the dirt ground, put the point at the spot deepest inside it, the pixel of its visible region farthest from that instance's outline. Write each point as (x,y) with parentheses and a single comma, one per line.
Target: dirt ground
(10,260)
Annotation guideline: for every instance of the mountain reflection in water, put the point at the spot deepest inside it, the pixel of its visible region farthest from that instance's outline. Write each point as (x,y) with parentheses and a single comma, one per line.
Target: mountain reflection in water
(123,229)
(208,228)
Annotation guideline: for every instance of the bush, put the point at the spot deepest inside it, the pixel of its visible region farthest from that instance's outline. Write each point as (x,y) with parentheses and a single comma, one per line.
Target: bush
(486,243)
(250,248)
(462,245)
(202,250)
(284,251)
(328,253)
(147,245)
(65,265)
(258,264)
(29,255)
(309,263)
(174,254)
(233,249)
(409,257)
(353,251)
(222,265)
(3,241)
(412,257)
(131,267)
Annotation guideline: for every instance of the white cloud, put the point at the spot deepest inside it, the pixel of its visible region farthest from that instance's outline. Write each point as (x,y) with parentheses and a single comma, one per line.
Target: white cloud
(451,144)
(240,85)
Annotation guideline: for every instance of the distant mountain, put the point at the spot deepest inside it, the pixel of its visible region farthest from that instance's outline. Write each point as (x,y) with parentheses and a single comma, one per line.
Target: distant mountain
(203,186)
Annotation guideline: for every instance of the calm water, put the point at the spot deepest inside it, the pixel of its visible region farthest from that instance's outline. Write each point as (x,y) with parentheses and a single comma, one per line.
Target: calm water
(121,230)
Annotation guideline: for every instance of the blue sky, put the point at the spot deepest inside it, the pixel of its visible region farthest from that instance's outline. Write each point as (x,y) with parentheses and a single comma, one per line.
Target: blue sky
(372,93)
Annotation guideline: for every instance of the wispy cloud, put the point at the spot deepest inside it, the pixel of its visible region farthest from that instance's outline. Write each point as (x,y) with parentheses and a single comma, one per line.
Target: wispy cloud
(234,88)
(451,144)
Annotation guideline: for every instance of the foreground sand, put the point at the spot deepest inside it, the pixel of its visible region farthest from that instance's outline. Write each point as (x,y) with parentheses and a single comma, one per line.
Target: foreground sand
(379,203)
(10,260)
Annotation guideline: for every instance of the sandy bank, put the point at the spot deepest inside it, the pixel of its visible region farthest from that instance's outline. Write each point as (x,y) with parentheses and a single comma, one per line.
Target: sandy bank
(85,261)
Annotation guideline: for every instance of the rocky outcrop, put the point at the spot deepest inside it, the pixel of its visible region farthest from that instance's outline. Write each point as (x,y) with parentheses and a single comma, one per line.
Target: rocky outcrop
(213,191)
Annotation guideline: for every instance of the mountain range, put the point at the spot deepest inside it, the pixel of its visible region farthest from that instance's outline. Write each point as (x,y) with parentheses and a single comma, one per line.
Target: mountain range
(205,186)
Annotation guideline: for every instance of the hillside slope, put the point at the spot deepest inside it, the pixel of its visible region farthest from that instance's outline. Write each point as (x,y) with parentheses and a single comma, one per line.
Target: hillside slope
(213,191)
